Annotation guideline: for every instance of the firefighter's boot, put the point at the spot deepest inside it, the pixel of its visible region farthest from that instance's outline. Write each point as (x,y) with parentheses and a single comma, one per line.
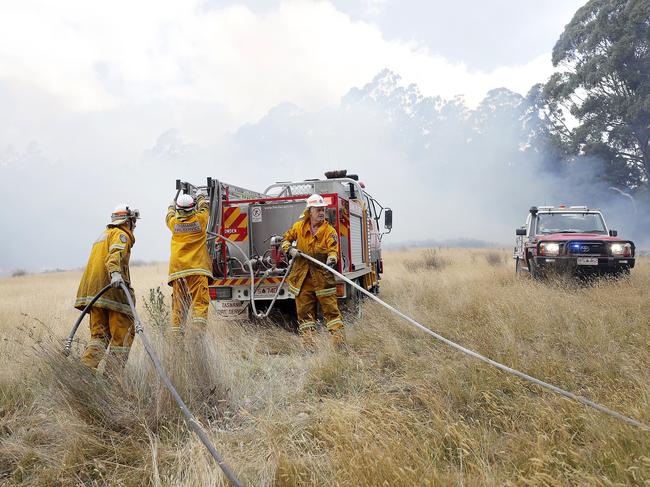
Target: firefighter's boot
(308,334)
(335,327)
(115,363)
(94,353)
(338,339)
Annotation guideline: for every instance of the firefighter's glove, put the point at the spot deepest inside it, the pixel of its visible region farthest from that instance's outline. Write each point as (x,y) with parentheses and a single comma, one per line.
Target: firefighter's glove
(292,252)
(116,279)
(332,261)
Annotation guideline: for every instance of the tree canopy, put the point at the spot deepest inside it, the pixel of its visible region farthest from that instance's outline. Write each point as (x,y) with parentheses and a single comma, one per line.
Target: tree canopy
(599,104)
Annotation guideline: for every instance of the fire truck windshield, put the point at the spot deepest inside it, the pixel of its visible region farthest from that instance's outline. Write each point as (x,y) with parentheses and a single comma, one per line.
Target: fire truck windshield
(570,223)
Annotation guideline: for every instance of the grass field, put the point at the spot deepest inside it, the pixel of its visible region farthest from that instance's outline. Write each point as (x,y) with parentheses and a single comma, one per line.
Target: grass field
(397,409)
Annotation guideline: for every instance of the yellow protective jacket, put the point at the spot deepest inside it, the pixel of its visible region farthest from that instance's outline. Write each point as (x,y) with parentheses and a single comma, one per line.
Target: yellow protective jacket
(110,253)
(189,254)
(323,244)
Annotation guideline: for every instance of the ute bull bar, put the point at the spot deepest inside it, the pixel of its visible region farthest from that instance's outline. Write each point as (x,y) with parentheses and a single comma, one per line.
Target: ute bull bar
(584,255)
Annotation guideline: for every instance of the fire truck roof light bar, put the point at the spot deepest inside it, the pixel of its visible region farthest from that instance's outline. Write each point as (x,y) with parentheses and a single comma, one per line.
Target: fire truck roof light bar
(563,208)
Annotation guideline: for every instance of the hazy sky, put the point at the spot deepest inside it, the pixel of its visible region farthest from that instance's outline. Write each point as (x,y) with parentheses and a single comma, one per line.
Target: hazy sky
(89,90)
(249,56)
(483,35)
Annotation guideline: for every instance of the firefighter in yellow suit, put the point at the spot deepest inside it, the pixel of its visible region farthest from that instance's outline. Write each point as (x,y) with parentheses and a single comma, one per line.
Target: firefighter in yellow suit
(111,319)
(308,282)
(190,267)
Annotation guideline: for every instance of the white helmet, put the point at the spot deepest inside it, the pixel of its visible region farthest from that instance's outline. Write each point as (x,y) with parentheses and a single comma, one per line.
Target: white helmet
(316,201)
(185,202)
(122,213)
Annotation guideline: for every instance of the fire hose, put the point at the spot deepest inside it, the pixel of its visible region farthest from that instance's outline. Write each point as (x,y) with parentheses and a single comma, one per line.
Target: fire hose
(460,348)
(248,262)
(68,341)
(193,423)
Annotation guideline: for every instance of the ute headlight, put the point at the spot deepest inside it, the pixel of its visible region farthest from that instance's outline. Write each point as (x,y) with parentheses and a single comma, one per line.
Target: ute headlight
(549,248)
(620,249)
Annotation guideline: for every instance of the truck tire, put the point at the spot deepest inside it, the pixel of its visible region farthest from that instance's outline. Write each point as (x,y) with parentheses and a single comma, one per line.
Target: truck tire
(621,273)
(534,271)
(518,269)
(351,307)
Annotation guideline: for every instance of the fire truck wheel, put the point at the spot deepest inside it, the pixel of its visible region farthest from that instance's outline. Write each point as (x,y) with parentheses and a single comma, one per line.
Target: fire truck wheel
(351,307)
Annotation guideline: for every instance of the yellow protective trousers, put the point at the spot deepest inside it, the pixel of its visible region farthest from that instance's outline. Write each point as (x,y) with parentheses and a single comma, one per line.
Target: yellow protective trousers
(190,292)
(306,309)
(108,327)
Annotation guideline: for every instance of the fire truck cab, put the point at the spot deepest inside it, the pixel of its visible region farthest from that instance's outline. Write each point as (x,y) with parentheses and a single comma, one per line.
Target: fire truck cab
(246,228)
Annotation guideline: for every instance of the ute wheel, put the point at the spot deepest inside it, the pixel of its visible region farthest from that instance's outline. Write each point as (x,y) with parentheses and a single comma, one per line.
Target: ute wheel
(518,270)
(621,273)
(534,271)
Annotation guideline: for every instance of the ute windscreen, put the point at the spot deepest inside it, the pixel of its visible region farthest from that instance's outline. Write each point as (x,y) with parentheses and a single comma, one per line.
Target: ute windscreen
(570,223)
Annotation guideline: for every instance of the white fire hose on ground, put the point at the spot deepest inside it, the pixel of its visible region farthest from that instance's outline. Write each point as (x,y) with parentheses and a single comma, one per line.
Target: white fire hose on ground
(474,354)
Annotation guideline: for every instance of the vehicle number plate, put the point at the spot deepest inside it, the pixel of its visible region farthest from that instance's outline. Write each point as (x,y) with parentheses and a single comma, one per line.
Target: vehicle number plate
(266,291)
(587,260)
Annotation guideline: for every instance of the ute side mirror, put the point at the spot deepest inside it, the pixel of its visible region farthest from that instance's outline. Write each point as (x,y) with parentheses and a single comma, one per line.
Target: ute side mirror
(520,231)
(388,219)
(613,233)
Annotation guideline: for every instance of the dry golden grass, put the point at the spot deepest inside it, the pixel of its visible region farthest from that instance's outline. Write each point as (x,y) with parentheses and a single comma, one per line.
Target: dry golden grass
(398,409)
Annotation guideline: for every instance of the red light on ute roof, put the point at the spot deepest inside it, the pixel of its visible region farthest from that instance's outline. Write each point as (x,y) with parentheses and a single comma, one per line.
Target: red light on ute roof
(363,186)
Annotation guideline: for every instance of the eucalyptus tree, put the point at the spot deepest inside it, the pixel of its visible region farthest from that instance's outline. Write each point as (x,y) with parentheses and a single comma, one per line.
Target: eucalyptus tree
(599,102)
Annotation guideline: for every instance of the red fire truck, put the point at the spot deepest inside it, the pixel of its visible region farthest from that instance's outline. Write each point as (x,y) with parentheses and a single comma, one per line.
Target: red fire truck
(246,228)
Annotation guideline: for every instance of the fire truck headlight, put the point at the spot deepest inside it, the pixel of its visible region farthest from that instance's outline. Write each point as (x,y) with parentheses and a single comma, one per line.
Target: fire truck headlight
(549,248)
(620,249)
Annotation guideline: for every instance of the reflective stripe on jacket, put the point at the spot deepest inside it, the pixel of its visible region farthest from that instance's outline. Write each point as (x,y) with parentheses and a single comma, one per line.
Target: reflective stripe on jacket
(323,244)
(189,253)
(110,253)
